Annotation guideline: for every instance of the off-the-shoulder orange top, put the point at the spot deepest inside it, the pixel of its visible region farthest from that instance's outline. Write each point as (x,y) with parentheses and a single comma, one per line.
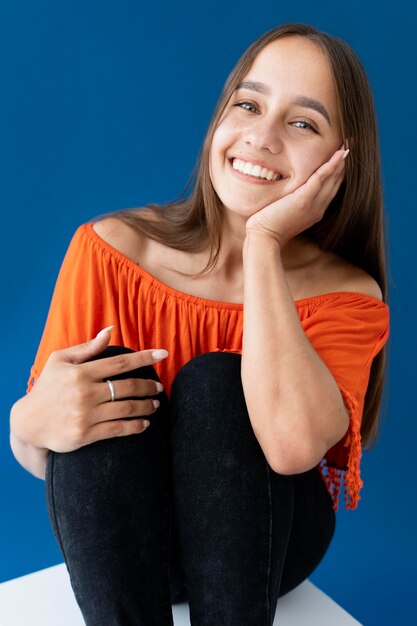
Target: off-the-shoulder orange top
(98,286)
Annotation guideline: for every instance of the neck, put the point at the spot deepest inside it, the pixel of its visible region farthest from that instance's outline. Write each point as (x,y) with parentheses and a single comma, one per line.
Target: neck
(294,254)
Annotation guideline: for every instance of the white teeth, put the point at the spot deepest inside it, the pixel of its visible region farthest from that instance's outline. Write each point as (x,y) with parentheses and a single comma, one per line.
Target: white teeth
(254,170)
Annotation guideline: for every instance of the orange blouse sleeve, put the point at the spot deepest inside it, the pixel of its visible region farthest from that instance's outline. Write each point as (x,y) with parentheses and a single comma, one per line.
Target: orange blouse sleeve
(348,332)
(78,309)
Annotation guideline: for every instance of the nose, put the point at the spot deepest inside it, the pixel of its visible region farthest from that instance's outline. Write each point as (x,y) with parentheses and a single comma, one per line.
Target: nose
(265,134)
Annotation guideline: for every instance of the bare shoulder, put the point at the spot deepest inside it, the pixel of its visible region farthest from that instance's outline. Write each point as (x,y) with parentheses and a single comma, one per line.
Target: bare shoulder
(120,236)
(344,276)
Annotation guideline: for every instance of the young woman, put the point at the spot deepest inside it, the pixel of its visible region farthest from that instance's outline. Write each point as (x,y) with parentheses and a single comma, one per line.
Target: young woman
(259,303)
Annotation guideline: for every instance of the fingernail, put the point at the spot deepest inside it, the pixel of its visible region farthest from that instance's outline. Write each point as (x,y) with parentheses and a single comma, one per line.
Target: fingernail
(146,423)
(346,152)
(156,403)
(159,386)
(105,330)
(157,355)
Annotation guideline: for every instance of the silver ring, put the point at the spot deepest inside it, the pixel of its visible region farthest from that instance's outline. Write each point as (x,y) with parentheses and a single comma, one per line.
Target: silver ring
(112,390)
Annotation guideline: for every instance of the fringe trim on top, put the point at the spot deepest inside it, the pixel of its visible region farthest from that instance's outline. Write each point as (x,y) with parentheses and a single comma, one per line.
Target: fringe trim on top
(333,476)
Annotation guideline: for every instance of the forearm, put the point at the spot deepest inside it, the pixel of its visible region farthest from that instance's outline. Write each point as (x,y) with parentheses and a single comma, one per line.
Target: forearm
(30,458)
(294,403)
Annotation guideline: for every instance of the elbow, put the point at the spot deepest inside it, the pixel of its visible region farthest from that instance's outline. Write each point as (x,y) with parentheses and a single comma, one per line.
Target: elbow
(293,466)
(292,450)
(295,458)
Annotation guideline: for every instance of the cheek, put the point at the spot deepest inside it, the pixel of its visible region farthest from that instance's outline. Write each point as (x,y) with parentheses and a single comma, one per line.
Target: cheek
(219,143)
(308,162)
(222,139)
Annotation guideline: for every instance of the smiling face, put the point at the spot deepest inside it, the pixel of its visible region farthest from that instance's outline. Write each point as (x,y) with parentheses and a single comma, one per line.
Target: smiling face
(287,122)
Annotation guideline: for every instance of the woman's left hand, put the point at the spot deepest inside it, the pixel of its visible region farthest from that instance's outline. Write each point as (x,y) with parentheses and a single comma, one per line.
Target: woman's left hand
(287,217)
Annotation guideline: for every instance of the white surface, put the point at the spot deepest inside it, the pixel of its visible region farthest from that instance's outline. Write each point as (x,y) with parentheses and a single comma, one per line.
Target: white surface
(45,598)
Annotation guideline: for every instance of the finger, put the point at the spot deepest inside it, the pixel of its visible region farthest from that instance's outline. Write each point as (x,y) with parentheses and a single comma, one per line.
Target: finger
(118,428)
(321,194)
(122,363)
(308,191)
(332,166)
(317,181)
(123,409)
(327,176)
(335,177)
(330,186)
(129,388)
(87,350)
(339,173)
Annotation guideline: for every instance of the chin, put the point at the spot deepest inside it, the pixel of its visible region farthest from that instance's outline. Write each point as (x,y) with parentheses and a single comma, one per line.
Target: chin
(238,211)
(247,209)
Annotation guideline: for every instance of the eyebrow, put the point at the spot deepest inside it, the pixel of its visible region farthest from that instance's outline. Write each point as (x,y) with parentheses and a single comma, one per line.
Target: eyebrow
(303,101)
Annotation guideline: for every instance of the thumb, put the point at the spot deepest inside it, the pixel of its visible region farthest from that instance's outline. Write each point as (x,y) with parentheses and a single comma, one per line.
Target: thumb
(85,351)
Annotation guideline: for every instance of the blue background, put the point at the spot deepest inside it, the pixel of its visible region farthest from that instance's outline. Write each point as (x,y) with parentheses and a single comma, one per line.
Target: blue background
(104,106)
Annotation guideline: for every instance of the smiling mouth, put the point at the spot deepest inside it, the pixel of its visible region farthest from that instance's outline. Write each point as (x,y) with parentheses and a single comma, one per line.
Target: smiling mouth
(254,172)
(257,178)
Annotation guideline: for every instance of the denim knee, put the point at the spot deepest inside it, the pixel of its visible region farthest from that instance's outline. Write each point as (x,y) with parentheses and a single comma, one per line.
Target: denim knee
(208,406)
(209,373)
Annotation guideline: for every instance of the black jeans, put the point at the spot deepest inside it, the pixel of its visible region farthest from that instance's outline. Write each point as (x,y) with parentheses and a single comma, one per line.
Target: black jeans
(187,510)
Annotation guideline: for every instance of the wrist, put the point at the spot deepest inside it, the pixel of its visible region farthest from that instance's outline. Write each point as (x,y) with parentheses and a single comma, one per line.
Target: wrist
(256,236)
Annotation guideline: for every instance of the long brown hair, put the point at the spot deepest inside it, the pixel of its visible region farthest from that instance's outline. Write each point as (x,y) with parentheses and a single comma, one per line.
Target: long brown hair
(353,224)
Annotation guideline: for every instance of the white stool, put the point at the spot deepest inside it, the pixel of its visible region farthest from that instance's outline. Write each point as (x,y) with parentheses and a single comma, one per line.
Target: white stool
(45,598)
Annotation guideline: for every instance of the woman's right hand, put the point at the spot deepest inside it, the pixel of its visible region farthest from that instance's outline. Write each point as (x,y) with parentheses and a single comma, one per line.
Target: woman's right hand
(69,407)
